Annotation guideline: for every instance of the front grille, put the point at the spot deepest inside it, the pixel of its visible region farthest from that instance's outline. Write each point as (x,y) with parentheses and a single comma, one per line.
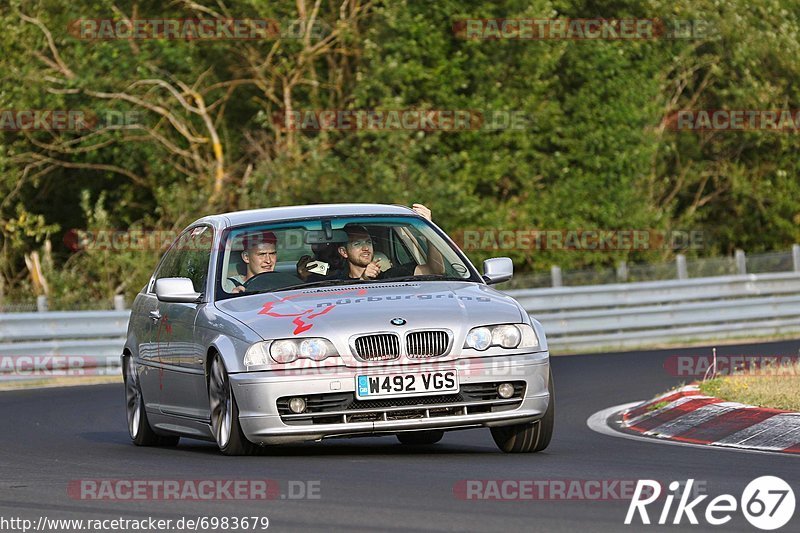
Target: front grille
(343,408)
(421,344)
(380,347)
(404,402)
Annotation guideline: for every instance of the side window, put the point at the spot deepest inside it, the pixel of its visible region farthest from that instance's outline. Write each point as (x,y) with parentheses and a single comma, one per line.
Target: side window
(171,264)
(189,257)
(196,256)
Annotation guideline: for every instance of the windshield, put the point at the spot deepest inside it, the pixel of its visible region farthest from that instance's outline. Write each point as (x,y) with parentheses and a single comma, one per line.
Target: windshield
(336,251)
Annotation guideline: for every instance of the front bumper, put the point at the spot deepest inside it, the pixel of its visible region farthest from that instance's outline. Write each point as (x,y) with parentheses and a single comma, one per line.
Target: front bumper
(258,395)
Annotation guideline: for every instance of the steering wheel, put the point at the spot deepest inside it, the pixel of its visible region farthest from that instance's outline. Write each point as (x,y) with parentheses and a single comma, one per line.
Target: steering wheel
(267,281)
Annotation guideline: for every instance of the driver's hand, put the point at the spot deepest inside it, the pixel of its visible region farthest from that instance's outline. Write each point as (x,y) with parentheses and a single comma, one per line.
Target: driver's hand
(372,270)
(422,211)
(302,267)
(237,290)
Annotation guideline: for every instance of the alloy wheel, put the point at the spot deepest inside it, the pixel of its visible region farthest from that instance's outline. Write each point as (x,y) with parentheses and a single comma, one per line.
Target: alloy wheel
(219,392)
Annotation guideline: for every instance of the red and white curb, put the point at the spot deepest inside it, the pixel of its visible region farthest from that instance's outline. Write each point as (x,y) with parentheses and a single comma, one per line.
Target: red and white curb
(685,415)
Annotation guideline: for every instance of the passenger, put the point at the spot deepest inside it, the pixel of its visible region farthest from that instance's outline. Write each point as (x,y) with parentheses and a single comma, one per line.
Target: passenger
(361,261)
(260,254)
(383,261)
(325,253)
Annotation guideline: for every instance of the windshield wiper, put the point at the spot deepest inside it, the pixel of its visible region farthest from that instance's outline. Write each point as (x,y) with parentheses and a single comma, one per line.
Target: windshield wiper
(321,283)
(351,281)
(425,277)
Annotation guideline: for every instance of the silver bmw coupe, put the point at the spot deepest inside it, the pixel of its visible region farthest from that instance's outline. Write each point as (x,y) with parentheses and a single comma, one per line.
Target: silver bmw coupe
(293,324)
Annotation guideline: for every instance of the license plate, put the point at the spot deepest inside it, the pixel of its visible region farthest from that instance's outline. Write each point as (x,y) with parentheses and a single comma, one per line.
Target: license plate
(405,384)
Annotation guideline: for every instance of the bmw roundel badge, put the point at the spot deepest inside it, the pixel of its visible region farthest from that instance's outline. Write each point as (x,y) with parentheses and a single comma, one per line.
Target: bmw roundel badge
(398,321)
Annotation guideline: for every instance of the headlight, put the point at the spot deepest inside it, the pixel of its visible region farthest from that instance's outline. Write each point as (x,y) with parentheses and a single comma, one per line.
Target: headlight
(506,336)
(283,351)
(479,338)
(288,350)
(529,338)
(257,355)
(315,349)
(503,335)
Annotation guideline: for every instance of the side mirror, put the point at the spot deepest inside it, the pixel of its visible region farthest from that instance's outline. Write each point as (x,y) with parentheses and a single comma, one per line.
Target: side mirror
(497,270)
(180,290)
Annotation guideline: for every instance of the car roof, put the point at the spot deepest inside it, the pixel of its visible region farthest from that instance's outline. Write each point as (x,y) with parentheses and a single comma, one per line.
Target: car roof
(275,214)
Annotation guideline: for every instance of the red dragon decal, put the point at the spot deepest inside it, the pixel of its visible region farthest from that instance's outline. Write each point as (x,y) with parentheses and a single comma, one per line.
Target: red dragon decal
(308,314)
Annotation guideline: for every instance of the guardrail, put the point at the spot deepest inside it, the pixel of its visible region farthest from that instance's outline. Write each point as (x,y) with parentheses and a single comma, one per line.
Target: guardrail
(630,315)
(586,318)
(61,343)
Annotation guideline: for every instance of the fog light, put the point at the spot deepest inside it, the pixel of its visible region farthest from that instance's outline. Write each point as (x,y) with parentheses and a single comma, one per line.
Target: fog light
(297,405)
(505,390)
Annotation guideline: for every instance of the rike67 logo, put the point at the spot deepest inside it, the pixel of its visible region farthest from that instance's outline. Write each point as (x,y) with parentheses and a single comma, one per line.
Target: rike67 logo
(767,503)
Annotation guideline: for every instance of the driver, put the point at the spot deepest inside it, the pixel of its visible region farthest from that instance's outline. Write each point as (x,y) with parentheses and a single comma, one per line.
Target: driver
(260,254)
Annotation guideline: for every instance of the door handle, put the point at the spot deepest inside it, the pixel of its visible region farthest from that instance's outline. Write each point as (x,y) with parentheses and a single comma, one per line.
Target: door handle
(155,316)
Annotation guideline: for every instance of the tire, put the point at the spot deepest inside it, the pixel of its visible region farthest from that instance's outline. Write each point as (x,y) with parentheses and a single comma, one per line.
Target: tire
(225,413)
(532,437)
(138,426)
(420,438)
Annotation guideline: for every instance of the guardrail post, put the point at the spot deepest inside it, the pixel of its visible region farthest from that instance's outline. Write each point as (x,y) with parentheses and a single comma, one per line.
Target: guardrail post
(41,303)
(622,271)
(555,275)
(741,262)
(796,257)
(680,264)
(119,302)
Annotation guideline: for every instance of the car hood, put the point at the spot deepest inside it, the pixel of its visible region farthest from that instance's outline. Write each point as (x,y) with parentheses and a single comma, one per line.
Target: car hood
(338,313)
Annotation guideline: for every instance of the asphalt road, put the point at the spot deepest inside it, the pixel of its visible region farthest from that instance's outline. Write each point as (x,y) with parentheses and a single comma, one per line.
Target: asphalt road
(52,437)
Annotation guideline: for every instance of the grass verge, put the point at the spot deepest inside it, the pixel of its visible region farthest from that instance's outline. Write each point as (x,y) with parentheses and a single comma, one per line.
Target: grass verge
(778,387)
